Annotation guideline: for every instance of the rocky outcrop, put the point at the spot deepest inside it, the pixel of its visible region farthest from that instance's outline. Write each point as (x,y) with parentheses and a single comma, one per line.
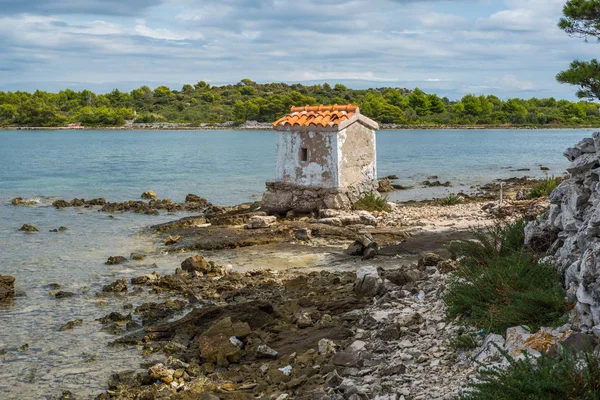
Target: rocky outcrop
(7,287)
(569,232)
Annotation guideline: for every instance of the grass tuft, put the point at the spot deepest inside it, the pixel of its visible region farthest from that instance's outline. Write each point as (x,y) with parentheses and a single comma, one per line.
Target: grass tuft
(372,202)
(544,188)
(571,376)
(500,284)
(451,200)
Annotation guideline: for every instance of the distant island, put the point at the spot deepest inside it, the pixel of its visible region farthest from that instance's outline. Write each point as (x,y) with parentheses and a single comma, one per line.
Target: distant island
(203,105)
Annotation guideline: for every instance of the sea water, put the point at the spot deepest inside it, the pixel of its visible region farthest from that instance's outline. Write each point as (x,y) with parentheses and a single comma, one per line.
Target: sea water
(227,167)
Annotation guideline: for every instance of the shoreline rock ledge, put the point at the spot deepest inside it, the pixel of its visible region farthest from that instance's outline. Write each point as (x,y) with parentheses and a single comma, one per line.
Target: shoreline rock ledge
(569,232)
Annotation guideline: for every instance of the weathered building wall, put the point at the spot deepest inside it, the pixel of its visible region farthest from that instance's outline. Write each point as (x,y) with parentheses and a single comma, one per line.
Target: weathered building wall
(320,170)
(356,156)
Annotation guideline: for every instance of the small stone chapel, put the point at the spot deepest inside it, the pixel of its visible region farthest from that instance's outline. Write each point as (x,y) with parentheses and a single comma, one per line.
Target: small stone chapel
(325,159)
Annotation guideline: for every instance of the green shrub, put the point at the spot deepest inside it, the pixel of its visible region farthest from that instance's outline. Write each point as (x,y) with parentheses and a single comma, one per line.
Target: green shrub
(544,188)
(572,376)
(499,284)
(372,202)
(451,200)
(464,341)
(498,240)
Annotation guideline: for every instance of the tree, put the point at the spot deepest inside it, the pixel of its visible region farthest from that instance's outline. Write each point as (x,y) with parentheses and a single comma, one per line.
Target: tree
(418,101)
(582,19)
(436,105)
(584,74)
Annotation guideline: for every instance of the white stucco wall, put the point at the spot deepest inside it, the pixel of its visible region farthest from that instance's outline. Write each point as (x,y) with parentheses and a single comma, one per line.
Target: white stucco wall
(322,167)
(357,155)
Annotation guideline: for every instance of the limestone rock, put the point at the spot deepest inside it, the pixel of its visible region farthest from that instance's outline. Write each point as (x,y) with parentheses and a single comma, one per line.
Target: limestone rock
(569,232)
(583,163)
(219,349)
(429,260)
(195,263)
(162,373)
(220,343)
(411,319)
(257,221)
(149,195)
(491,349)
(118,286)
(265,351)
(368,282)
(586,145)
(326,347)
(572,153)
(355,249)
(200,265)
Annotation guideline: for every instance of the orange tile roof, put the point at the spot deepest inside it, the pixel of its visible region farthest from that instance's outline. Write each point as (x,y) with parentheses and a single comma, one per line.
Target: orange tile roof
(324,116)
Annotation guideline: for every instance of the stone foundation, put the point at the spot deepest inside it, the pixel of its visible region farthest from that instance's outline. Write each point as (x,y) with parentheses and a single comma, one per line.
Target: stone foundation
(282,197)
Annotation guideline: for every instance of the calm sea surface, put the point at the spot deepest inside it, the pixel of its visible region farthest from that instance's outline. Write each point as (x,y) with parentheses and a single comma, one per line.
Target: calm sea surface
(227,167)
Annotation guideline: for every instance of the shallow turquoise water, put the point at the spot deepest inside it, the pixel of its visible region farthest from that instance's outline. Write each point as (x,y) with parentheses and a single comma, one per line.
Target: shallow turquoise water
(227,167)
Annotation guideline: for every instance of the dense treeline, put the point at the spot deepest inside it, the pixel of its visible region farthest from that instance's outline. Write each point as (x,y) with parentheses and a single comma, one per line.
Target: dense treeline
(246,101)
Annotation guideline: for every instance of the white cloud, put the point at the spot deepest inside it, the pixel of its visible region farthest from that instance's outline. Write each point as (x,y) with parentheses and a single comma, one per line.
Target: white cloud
(388,42)
(438,20)
(512,82)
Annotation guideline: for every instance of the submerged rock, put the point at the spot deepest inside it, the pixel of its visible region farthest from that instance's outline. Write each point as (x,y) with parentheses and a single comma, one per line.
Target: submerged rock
(28,228)
(114,260)
(71,324)
(149,195)
(63,295)
(7,287)
(18,201)
(61,229)
(385,186)
(137,256)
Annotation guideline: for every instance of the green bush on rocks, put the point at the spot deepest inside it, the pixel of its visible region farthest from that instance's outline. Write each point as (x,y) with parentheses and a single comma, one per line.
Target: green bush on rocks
(574,375)
(372,202)
(500,284)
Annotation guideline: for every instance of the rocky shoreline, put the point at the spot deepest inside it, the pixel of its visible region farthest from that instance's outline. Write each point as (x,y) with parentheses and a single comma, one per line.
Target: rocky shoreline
(365,328)
(360,327)
(327,305)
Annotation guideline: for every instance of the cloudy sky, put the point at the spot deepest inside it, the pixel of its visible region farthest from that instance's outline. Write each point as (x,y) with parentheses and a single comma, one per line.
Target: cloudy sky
(503,47)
